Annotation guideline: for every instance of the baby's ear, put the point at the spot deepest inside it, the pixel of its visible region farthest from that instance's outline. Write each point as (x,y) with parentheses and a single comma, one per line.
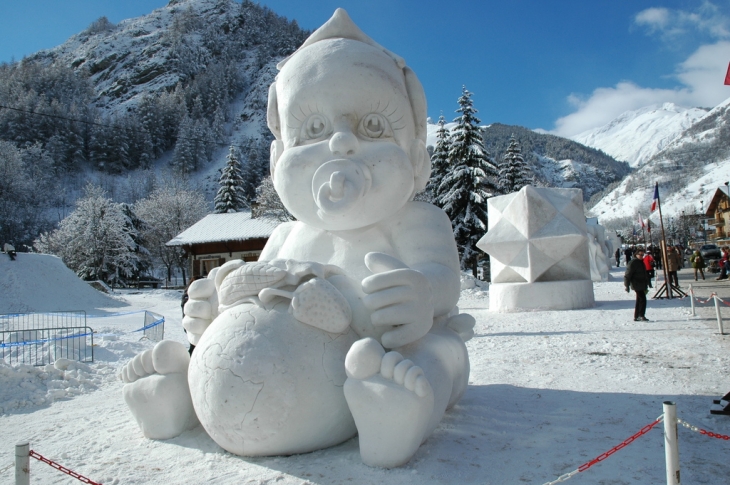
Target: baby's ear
(421,161)
(272,112)
(272,120)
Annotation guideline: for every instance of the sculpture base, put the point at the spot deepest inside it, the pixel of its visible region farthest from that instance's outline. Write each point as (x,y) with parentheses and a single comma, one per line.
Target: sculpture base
(546,295)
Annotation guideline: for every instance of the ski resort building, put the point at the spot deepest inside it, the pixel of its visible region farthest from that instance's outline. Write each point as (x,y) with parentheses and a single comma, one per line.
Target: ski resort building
(218,238)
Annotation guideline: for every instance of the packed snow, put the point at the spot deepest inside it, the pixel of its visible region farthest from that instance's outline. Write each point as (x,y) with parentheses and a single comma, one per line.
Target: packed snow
(41,283)
(548,392)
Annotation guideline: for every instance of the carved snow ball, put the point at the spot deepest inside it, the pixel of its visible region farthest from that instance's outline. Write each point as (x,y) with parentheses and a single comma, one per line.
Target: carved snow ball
(264,383)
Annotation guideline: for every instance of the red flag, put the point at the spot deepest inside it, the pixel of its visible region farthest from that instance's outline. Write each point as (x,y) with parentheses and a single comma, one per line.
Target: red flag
(641,221)
(727,76)
(648,226)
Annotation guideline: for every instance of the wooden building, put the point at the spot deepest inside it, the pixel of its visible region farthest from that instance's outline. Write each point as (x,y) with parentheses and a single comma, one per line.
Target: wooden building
(718,213)
(218,238)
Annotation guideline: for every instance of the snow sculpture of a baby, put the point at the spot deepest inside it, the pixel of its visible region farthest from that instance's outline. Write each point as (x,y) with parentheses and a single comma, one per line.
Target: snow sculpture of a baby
(296,359)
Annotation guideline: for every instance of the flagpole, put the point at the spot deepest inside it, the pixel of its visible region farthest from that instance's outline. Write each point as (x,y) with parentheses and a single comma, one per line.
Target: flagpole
(663,243)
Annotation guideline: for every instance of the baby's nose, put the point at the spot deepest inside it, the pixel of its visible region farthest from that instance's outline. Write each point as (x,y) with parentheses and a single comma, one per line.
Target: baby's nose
(344,142)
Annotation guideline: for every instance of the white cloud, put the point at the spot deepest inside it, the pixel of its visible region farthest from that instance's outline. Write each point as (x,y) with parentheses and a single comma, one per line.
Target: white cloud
(701,76)
(656,19)
(670,24)
(704,72)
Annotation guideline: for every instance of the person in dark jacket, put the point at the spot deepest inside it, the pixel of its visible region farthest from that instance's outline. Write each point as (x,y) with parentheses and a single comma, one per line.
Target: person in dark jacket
(637,278)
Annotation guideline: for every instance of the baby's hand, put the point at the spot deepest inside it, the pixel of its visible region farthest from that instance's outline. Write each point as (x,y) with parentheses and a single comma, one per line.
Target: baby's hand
(400,296)
(201,307)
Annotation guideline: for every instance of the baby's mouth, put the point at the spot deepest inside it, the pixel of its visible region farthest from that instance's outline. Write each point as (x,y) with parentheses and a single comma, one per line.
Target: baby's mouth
(339,184)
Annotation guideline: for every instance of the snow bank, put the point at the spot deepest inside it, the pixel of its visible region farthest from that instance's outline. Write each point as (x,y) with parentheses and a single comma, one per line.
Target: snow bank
(26,385)
(42,283)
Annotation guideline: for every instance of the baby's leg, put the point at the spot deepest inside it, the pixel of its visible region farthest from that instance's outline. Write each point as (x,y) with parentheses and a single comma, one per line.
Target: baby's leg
(396,403)
(157,393)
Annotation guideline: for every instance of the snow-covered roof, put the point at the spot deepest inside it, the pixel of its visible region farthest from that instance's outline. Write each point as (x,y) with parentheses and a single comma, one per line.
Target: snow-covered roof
(233,226)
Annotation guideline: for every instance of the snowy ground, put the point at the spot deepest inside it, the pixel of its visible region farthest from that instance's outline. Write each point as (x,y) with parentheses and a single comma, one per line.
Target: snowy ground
(548,392)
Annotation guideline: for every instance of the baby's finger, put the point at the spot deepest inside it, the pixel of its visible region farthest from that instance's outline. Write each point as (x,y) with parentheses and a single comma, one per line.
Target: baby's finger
(395,314)
(405,334)
(198,309)
(389,279)
(195,325)
(381,262)
(389,296)
(201,289)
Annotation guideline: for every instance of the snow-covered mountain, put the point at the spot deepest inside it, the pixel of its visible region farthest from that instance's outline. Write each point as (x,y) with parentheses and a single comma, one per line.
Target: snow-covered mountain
(636,136)
(688,169)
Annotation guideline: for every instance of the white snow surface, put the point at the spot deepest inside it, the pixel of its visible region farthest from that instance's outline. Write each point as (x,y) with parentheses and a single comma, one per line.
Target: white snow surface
(635,136)
(548,392)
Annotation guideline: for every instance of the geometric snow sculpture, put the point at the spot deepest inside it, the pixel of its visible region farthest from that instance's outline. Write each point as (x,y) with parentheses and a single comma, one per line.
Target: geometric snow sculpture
(537,242)
(348,322)
(599,259)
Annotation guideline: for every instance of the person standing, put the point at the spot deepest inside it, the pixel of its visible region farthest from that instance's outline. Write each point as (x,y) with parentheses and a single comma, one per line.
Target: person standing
(723,263)
(673,261)
(628,252)
(649,265)
(618,257)
(698,263)
(637,278)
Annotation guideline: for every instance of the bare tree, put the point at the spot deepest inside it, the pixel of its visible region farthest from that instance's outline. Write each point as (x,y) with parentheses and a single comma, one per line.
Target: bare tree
(169,210)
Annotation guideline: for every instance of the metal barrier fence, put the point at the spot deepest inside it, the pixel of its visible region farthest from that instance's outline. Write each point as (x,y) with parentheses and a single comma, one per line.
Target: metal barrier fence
(154,326)
(42,338)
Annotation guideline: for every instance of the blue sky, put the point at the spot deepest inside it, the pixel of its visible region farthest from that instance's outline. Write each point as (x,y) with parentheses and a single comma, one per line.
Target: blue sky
(563,65)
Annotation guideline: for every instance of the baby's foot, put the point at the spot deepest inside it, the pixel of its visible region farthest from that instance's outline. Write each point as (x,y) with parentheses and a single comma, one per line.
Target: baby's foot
(391,401)
(156,390)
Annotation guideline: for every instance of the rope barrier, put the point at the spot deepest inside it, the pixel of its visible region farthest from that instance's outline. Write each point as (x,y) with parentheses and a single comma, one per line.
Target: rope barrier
(585,466)
(703,431)
(153,324)
(42,341)
(62,468)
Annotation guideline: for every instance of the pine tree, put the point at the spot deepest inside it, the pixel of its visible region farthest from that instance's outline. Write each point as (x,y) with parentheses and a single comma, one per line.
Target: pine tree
(469,183)
(439,163)
(513,171)
(230,197)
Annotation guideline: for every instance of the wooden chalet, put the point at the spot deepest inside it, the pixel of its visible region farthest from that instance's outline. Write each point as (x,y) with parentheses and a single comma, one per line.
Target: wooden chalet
(218,238)
(718,213)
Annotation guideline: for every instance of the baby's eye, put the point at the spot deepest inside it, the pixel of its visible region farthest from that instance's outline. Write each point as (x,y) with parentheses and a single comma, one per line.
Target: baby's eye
(315,127)
(375,125)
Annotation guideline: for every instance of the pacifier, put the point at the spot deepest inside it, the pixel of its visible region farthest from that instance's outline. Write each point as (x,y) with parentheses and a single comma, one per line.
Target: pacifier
(337,185)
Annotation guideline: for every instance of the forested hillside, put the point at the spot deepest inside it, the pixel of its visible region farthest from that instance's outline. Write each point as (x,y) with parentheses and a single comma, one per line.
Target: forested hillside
(173,86)
(556,161)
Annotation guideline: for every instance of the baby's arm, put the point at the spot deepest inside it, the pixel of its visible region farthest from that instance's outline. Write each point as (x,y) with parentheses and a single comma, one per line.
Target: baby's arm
(424,240)
(421,283)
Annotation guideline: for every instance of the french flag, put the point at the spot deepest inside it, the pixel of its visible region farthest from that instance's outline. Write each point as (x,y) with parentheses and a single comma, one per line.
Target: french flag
(655,202)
